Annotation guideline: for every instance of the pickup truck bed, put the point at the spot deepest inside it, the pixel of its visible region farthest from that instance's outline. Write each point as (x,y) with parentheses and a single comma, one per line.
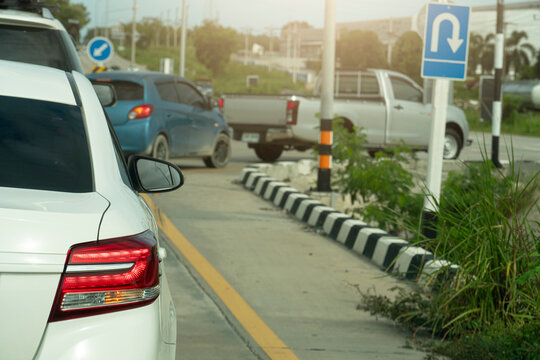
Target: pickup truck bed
(388,106)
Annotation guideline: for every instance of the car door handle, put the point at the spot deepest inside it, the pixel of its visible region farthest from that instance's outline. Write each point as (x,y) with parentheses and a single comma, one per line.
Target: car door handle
(398,107)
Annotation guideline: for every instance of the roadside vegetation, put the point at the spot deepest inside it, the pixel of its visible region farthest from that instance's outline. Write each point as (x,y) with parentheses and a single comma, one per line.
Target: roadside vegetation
(231,80)
(489,225)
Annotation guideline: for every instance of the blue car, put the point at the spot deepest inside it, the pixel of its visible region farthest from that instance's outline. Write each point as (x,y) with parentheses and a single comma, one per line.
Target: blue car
(166,116)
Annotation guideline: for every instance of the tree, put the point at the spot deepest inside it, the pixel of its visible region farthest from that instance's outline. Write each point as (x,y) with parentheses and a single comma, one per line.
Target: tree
(407,55)
(481,52)
(536,67)
(517,52)
(214,45)
(67,11)
(359,49)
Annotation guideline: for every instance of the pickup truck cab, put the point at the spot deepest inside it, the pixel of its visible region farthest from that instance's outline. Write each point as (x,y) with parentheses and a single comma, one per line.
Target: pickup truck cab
(387,105)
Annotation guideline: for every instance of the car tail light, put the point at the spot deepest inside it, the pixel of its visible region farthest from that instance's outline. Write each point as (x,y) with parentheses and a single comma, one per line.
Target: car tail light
(140,112)
(292,111)
(106,276)
(221,104)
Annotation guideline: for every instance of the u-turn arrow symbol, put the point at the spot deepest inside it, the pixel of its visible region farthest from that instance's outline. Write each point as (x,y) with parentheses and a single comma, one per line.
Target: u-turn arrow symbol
(454,42)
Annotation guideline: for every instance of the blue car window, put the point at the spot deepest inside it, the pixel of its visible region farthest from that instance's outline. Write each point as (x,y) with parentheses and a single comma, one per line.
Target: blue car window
(167,92)
(188,95)
(128,90)
(43,146)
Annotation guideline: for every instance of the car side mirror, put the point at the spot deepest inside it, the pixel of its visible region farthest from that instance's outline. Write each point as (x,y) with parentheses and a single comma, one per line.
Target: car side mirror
(105,92)
(153,176)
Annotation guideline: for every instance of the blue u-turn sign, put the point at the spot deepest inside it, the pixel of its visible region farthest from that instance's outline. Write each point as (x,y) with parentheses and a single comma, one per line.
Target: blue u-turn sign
(446,42)
(100,49)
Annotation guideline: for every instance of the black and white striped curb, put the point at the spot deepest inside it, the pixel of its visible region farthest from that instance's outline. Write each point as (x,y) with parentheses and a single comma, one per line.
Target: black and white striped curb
(392,254)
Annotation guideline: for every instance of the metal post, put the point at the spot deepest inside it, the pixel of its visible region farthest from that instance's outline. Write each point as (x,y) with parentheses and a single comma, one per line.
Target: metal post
(167,29)
(183,39)
(435,157)
(246,46)
(295,50)
(133,33)
(175,28)
(107,28)
(327,97)
(497,94)
(96,31)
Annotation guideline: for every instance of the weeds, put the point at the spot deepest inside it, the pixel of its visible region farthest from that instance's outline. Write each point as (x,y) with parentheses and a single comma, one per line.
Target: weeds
(378,187)
(491,308)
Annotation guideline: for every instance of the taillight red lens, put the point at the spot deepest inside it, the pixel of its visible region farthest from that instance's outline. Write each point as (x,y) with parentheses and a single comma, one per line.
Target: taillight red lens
(140,112)
(292,112)
(108,275)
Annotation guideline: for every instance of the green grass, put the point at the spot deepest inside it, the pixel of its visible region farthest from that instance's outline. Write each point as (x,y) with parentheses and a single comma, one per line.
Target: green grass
(462,92)
(526,123)
(151,58)
(233,79)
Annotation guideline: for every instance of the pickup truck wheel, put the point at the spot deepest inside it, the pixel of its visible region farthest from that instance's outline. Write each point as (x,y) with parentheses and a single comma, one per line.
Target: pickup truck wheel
(160,150)
(268,153)
(221,154)
(452,144)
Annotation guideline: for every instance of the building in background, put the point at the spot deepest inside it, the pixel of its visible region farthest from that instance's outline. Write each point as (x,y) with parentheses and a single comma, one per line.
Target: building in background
(521,16)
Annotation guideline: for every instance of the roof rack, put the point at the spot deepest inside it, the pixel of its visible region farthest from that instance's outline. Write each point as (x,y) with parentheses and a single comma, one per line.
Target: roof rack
(36,6)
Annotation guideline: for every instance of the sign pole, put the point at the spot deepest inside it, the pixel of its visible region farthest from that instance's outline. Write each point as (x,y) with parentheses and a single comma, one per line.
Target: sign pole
(435,158)
(327,98)
(445,58)
(497,94)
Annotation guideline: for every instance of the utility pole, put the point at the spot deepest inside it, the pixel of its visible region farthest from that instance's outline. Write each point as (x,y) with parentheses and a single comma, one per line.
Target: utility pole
(175,28)
(327,97)
(497,94)
(289,47)
(168,34)
(295,50)
(133,33)
(183,39)
(107,29)
(246,46)
(96,31)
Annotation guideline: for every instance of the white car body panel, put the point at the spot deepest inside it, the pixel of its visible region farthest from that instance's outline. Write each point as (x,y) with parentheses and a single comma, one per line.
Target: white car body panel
(38,227)
(26,18)
(87,338)
(48,86)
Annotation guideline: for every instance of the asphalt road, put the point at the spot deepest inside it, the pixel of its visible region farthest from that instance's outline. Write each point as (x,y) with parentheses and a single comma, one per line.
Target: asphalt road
(300,285)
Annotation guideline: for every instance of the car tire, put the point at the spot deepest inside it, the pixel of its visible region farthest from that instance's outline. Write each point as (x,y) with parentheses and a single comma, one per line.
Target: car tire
(453,143)
(268,153)
(221,154)
(160,149)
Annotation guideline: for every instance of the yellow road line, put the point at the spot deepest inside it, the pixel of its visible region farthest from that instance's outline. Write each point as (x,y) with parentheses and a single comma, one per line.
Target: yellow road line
(246,316)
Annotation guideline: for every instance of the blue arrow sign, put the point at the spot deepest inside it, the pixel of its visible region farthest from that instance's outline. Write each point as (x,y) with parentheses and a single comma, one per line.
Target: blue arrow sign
(446,42)
(100,49)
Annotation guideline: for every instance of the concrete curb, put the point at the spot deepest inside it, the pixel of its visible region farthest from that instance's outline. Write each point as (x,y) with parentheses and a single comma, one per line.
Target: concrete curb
(391,254)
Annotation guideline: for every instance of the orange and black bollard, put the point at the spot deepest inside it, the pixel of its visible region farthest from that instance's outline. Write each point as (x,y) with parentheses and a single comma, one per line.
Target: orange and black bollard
(325,156)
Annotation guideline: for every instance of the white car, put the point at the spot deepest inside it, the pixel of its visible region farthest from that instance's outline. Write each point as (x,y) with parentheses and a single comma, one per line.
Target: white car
(80,264)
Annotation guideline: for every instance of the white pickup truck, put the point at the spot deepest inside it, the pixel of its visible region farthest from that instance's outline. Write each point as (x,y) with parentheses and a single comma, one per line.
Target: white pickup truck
(387,105)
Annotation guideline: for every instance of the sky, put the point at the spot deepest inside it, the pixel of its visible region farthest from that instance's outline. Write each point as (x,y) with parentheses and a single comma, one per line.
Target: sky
(257,16)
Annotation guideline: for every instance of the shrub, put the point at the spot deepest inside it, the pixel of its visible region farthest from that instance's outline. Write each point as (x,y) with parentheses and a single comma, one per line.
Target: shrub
(510,107)
(490,309)
(379,187)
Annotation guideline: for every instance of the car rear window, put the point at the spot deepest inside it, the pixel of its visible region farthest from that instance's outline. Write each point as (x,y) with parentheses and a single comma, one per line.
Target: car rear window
(43,146)
(128,90)
(34,46)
